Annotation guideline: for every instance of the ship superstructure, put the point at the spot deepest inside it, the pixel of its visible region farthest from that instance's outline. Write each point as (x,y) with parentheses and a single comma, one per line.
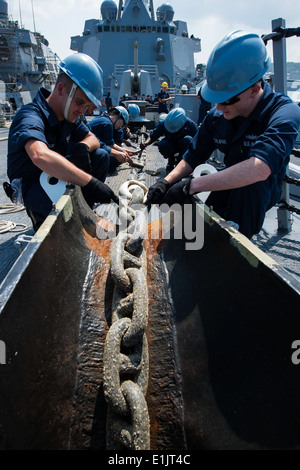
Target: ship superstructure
(139,49)
(26,62)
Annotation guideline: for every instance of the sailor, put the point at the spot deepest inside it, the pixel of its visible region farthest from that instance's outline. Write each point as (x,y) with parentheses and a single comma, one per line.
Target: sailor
(178,131)
(204,107)
(123,135)
(254,127)
(40,132)
(108,102)
(163,98)
(104,128)
(184,90)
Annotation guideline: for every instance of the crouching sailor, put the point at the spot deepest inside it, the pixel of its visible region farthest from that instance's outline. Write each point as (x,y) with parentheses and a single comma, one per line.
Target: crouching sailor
(41,132)
(254,127)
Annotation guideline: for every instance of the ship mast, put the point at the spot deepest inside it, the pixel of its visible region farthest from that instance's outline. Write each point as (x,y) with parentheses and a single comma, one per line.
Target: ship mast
(33,16)
(120,9)
(151,9)
(148,2)
(20,12)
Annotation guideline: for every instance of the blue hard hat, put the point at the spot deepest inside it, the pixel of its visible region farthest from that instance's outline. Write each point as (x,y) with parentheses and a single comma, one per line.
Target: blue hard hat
(86,73)
(236,63)
(134,111)
(123,113)
(175,120)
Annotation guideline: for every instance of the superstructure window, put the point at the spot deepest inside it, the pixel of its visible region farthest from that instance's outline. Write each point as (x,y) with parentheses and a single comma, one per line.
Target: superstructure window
(128,29)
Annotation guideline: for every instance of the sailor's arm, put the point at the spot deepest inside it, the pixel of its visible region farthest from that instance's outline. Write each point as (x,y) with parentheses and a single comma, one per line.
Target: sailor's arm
(91,141)
(242,174)
(163,100)
(180,171)
(145,144)
(55,164)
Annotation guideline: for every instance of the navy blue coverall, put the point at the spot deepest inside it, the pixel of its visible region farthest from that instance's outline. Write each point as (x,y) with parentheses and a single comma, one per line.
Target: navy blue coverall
(162,107)
(174,142)
(104,130)
(38,121)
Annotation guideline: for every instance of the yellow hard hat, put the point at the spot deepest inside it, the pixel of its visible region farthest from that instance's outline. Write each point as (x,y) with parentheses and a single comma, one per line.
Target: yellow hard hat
(164,84)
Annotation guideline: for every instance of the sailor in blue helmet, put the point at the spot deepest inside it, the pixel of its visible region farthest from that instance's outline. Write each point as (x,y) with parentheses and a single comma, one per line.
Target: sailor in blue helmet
(254,127)
(40,133)
(105,127)
(123,134)
(178,131)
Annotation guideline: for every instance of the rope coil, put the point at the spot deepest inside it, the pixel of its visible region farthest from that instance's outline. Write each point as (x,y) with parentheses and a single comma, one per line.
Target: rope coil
(8,225)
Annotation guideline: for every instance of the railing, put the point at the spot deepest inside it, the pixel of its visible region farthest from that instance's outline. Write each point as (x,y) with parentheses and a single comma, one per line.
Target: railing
(278,36)
(120,68)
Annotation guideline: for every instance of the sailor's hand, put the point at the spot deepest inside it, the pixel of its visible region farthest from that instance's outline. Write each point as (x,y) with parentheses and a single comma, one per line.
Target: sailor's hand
(80,157)
(179,192)
(157,191)
(96,191)
(129,154)
(143,146)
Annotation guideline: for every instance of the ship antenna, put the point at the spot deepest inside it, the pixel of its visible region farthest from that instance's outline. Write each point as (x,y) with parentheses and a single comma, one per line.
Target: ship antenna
(120,9)
(151,9)
(33,16)
(20,13)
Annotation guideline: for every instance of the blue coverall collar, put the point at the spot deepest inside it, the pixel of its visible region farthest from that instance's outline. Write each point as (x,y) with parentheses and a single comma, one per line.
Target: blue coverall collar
(41,99)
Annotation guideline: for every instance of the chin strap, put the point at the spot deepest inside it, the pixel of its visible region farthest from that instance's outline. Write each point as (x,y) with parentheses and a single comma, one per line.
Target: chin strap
(70,97)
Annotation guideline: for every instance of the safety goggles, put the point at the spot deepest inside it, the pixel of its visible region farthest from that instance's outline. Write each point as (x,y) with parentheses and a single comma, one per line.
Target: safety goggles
(120,119)
(233,100)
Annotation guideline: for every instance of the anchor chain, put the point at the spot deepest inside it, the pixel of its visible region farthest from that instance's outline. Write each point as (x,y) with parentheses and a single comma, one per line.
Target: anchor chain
(126,362)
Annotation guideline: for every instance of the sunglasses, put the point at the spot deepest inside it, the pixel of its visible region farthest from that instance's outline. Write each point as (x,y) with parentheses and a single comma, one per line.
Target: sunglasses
(233,100)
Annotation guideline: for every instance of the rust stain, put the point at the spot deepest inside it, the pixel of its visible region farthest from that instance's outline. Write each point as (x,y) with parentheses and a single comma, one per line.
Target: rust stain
(154,242)
(100,247)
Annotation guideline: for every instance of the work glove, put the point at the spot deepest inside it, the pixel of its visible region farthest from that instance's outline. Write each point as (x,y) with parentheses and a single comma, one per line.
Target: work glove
(179,192)
(157,191)
(96,191)
(80,157)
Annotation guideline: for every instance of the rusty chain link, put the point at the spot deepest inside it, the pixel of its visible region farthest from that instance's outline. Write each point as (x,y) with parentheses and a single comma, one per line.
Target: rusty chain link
(126,363)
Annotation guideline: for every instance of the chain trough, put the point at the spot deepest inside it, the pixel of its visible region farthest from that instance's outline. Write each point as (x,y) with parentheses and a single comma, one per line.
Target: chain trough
(135,342)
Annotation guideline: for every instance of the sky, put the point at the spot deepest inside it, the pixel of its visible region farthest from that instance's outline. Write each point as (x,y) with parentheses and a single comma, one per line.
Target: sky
(209,20)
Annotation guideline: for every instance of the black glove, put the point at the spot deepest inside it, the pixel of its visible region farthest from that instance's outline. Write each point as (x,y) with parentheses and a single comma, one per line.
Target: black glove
(179,192)
(96,191)
(157,191)
(80,157)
